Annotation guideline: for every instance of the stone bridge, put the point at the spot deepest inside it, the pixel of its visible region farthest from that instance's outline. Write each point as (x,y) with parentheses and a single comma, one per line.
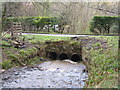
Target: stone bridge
(61,50)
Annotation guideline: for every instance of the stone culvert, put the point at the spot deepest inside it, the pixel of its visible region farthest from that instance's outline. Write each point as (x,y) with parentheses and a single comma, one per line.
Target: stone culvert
(61,50)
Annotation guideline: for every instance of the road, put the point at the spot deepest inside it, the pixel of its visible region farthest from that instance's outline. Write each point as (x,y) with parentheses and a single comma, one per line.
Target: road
(63,35)
(60,35)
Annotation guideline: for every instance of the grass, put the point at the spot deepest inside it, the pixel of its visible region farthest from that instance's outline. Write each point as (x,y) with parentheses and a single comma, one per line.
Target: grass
(20,58)
(104,65)
(34,32)
(40,38)
(40,32)
(110,83)
(6,64)
(4,43)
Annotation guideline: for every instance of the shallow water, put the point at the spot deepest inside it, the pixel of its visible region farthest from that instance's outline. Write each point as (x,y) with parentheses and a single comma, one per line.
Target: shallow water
(49,74)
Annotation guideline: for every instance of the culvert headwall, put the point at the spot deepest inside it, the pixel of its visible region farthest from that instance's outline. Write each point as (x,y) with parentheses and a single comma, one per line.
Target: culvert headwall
(61,50)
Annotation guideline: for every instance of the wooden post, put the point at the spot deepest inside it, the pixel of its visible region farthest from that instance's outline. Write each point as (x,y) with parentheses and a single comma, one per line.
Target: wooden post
(16,29)
(12,32)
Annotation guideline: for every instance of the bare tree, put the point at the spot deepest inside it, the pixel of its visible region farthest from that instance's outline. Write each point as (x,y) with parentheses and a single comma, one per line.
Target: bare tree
(76,15)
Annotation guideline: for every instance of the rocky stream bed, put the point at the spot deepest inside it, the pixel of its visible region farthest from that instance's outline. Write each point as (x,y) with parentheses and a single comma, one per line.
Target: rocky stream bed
(49,74)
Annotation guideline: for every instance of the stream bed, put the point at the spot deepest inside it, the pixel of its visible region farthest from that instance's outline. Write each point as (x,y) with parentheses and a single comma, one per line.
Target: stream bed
(49,74)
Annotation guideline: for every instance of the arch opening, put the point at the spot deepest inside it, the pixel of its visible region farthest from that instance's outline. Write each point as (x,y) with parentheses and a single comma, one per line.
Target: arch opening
(76,58)
(63,56)
(53,55)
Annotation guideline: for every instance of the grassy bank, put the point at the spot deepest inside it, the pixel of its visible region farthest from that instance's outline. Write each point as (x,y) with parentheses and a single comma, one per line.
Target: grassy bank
(103,66)
(102,63)
(12,57)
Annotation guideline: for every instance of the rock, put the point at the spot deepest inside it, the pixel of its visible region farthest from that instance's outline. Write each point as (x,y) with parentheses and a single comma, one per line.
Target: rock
(23,46)
(84,77)
(35,68)
(19,87)
(58,68)
(2,71)
(74,38)
(48,42)
(5,78)
(85,71)
(16,73)
(15,43)
(41,69)
(16,81)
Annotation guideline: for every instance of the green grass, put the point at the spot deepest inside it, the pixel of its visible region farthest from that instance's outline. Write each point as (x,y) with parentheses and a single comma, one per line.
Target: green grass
(4,43)
(7,35)
(40,38)
(34,32)
(110,83)
(104,64)
(40,32)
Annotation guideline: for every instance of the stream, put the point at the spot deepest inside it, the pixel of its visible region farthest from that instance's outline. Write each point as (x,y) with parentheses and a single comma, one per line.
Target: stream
(48,74)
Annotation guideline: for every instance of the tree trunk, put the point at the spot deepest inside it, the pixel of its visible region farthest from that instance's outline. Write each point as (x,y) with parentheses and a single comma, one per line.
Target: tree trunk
(37,28)
(54,27)
(48,28)
(108,29)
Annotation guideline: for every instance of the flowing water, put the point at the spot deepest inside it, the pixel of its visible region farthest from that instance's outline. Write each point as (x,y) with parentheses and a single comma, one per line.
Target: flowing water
(49,74)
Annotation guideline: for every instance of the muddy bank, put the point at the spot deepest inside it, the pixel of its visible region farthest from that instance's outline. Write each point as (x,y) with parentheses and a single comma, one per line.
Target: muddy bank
(49,74)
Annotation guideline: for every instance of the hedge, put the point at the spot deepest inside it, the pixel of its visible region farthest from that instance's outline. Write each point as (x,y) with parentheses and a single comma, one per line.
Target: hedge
(103,24)
(38,22)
